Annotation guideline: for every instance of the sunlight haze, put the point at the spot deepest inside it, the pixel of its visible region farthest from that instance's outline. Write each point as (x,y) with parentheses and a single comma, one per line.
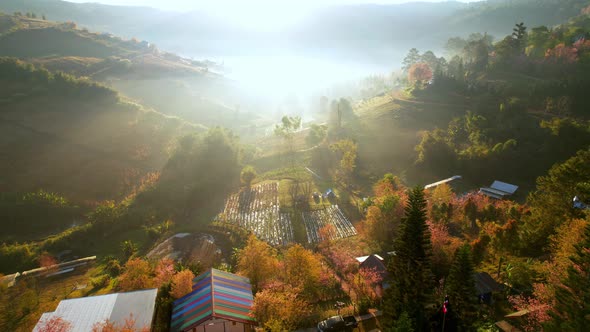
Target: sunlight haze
(257,14)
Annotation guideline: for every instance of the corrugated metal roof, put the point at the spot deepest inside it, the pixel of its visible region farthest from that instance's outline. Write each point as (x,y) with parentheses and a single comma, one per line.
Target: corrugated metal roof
(492,193)
(438,183)
(216,294)
(484,283)
(83,313)
(505,187)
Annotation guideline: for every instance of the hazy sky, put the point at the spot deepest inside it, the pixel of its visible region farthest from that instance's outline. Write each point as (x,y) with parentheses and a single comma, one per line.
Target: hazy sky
(255,14)
(216,4)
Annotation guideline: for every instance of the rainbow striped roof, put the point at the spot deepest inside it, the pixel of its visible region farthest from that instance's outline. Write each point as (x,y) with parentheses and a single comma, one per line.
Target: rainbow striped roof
(216,294)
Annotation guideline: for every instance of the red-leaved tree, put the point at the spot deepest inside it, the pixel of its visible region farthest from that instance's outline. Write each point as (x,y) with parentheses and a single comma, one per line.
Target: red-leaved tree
(164,272)
(537,306)
(420,72)
(55,324)
(562,54)
(127,326)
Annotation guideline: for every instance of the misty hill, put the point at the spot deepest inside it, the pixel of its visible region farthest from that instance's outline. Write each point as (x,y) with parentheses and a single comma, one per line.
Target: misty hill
(369,32)
(164,81)
(76,137)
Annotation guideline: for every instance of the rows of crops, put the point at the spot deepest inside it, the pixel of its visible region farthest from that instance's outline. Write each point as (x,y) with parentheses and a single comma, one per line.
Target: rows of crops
(316,220)
(257,209)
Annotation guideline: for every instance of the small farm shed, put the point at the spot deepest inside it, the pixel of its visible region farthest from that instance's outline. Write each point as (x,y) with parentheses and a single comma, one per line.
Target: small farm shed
(438,183)
(374,262)
(486,285)
(220,302)
(499,190)
(83,313)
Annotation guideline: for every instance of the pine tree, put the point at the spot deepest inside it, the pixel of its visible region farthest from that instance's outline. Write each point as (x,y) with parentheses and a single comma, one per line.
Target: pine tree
(572,299)
(412,58)
(461,287)
(410,266)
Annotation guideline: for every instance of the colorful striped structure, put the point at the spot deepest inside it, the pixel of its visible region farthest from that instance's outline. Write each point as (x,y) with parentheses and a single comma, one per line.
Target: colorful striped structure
(217,296)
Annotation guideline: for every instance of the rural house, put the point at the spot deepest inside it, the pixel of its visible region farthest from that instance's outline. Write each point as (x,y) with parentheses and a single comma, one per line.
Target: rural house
(220,301)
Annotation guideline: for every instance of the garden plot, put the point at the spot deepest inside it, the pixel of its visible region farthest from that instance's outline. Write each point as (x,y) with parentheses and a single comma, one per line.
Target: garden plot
(318,219)
(257,209)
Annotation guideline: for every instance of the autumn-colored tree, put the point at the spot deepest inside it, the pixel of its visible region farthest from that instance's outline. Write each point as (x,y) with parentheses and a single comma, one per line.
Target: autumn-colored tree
(563,247)
(279,307)
(376,225)
(347,152)
(365,283)
(342,261)
(443,248)
(325,233)
(571,310)
(384,215)
(247,176)
(538,310)
(443,193)
(562,54)
(420,73)
(136,275)
(387,186)
(47,260)
(55,324)
(182,283)
(164,272)
(257,261)
(302,270)
(582,45)
(128,326)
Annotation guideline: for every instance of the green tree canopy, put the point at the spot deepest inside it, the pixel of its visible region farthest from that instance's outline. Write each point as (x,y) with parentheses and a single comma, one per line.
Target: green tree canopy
(460,287)
(411,264)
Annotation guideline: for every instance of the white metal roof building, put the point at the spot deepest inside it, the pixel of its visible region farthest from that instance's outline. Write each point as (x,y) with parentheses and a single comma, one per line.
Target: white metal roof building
(499,190)
(438,183)
(83,313)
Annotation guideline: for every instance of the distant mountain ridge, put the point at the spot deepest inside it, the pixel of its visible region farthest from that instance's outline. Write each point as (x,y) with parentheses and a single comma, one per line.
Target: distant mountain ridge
(371,32)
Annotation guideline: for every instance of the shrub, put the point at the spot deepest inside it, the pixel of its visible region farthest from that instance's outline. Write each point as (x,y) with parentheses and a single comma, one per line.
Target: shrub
(101,281)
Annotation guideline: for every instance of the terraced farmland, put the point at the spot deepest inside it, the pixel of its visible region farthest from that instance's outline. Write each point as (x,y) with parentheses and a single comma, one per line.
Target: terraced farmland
(257,209)
(314,221)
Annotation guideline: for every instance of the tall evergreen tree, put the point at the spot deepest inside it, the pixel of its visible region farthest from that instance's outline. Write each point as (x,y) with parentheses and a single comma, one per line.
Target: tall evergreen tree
(461,287)
(410,266)
(412,58)
(572,299)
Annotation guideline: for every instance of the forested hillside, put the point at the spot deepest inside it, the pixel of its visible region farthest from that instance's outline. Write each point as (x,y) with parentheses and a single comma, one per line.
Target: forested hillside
(76,137)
